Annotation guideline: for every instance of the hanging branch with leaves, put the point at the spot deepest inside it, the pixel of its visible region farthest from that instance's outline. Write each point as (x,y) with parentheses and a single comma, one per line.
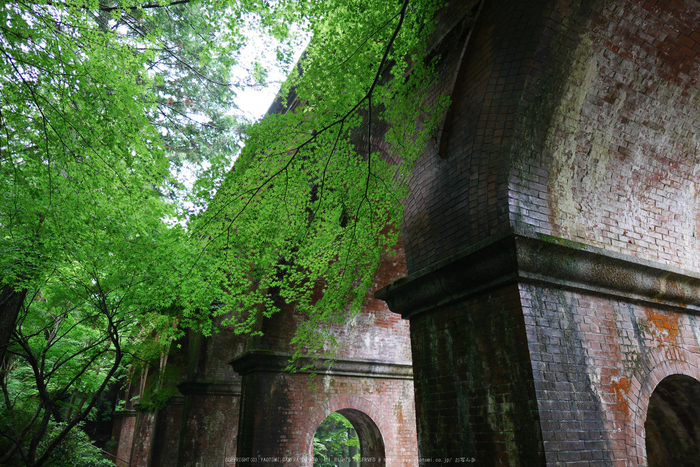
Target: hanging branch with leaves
(313,201)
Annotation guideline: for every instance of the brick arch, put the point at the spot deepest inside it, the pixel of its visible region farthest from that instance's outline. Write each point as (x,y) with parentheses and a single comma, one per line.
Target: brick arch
(684,363)
(673,416)
(352,408)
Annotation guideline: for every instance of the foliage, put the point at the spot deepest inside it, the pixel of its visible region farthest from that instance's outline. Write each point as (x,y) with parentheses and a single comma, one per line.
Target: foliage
(76,334)
(315,197)
(334,441)
(95,97)
(76,450)
(99,98)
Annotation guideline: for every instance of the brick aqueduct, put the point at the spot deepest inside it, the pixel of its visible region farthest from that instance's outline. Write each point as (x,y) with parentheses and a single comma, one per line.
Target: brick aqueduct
(544,304)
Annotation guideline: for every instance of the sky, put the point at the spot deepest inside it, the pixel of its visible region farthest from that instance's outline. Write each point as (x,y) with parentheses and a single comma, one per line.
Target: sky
(254,102)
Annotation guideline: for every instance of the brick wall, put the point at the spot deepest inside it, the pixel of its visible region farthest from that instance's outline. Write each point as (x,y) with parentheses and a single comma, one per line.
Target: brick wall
(210,429)
(281,412)
(463,198)
(566,203)
(576,119)
(609,140)
(198,426)
(143,437)
(124,433)
(370,382)
(374,333)
(596,361)
(166,440)
(533,351)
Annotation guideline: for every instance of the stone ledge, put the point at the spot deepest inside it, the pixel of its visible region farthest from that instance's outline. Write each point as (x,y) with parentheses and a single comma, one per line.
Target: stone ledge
(262,361)
(534,258)
(217,388)
(177,399)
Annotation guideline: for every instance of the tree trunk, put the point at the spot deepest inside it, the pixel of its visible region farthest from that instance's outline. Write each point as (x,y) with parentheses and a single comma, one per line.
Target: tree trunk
(11,302)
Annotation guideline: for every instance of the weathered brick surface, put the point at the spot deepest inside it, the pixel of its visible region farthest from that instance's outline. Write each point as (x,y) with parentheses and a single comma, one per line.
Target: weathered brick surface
(166,440)
(475,396)
(209,426)
(463,198)
(126,424)
(609,129)
(209,431)
(197,428)
(133,429)
(209,356)
(573,121)
(595,362)
(375,333)
(143,436)
(579,335)
(281,412)
(577,119)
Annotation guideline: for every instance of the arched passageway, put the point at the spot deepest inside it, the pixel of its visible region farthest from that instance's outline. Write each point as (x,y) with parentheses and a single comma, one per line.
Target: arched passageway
(371,443)
(673,423)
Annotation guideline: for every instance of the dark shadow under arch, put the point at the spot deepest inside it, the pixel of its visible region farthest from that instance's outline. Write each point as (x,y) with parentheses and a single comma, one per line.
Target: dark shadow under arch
(673,423)
(372,451)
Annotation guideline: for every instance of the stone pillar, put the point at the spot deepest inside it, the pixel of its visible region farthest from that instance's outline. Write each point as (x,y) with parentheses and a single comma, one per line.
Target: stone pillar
(209,423)
(475,392)
(166,439)
(530,350)
(125,427)
(143,439)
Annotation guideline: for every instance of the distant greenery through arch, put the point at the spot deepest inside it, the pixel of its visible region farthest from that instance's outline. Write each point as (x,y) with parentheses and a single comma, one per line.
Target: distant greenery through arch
(336,443)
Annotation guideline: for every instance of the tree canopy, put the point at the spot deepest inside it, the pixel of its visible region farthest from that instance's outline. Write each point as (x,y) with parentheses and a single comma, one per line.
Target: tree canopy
(100,100)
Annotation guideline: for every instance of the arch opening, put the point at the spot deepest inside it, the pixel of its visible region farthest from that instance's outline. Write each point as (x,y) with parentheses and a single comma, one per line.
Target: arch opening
(348,438)
(673,422)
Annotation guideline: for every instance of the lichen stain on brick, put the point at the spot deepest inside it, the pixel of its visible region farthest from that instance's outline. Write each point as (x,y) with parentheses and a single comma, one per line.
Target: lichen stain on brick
(398,413)
(632,362)
(580,143)
(664,328)
(500,418)
(621,389)
(695,326)
(327,383)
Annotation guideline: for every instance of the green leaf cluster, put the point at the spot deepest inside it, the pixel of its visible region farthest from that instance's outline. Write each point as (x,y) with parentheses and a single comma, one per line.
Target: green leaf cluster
(314,199)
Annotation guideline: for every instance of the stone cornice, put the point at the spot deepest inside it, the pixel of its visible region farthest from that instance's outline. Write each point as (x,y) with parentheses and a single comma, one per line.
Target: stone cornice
(533,258)
(217,388)
(177,399)
(264,361)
